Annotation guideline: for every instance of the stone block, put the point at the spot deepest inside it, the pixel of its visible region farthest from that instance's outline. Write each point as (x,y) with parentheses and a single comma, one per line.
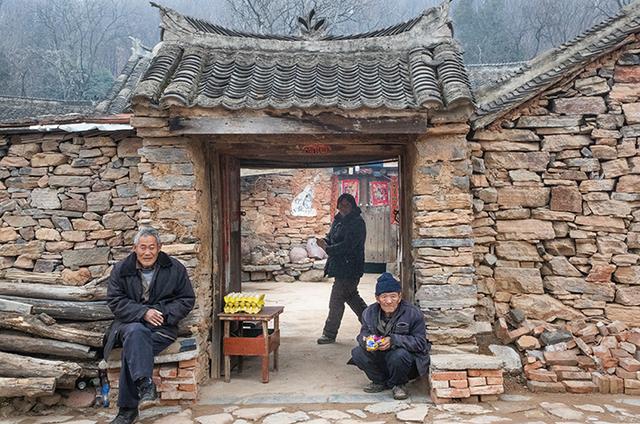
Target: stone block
(549,121)
(446,296)
(85,257)
(526,229)
(565,198)
(451,393)
(517,251)
(541,375)
(44,198)
(615,168)
(597,291)
(562,142)
(69,181)
(118,221)
(628,296)
(518,280)
(580,386)
(523,196)
(601,223)
(470,363)
(627,275)
(487,390)
(533,161)
(579,106)
(631,112)
(544,307)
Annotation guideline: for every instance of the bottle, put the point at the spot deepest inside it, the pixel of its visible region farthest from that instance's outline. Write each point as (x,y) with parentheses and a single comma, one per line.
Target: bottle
(104,383)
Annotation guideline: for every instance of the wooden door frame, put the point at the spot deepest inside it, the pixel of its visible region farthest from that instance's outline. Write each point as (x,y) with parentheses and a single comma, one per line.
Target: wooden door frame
(251,156)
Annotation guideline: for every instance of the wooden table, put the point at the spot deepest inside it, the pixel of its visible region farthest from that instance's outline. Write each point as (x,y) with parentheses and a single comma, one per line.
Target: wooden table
(261,345)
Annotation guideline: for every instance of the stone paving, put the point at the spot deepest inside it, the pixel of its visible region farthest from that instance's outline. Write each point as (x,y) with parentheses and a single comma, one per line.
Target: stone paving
(520,409)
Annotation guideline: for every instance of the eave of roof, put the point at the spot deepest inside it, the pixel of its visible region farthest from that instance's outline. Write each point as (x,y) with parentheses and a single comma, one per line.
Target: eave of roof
(415,65)
(548,68)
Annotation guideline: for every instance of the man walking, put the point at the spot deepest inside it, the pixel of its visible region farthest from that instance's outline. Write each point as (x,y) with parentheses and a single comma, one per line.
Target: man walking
(149,293)
(392,344)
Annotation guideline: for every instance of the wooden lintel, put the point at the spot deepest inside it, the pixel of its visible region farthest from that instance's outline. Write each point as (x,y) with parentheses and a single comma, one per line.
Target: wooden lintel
(322,123)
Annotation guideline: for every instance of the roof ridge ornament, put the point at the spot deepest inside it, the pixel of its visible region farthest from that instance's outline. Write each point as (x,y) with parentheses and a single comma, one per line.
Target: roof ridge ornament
(312,27)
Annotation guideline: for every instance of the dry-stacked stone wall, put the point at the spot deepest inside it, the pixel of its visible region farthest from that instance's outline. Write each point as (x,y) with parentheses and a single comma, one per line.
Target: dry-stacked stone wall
(68,204)
(556,197)
(277,225)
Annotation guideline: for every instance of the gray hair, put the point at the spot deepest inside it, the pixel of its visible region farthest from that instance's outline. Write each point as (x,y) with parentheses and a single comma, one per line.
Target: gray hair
(147,231)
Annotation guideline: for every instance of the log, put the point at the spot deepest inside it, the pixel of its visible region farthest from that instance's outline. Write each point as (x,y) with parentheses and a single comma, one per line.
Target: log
(7,305)
(32,325)
(33,277)
(65,373)
(19,343)
(65,310)
(91,326)
(50,291)
(31,387)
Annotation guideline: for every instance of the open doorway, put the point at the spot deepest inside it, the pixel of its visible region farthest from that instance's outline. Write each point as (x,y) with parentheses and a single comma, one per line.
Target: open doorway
(266,247)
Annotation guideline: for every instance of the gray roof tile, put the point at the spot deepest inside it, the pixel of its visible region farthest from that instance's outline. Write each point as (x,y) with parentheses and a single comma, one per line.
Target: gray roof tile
(414,65)
(540,73)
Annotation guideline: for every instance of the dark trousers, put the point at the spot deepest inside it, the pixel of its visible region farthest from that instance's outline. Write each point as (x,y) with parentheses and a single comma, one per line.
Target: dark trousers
(139,345)
(391,367)
(343,291)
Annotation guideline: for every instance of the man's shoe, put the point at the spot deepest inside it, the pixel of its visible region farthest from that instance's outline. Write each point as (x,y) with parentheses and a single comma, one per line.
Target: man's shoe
(146,393)
(399,392)
(325,340)
(374,388)
(125,416)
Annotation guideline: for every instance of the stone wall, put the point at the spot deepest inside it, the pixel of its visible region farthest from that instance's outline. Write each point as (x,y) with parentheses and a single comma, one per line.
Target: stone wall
(442,238)
(69,204)
(270,230)
(556,196)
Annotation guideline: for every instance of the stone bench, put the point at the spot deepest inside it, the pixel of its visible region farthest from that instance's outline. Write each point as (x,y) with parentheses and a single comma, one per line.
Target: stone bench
(466,377)
(176,372)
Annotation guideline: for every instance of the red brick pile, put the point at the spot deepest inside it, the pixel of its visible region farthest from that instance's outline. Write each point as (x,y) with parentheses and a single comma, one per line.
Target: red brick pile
(579,357)
(474,385)
(176,381)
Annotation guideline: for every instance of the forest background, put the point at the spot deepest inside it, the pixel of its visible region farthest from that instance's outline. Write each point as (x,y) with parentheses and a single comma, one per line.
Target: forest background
(73,49)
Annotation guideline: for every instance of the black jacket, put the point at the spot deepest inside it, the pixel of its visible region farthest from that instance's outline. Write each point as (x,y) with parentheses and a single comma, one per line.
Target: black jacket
(409,332)
(170,293)
(345,246)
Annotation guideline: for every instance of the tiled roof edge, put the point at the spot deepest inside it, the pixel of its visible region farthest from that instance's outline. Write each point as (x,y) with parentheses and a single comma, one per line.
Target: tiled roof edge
(548,68)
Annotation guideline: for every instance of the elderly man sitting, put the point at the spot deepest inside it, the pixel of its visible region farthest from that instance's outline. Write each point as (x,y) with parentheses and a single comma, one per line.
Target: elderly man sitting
(392,344)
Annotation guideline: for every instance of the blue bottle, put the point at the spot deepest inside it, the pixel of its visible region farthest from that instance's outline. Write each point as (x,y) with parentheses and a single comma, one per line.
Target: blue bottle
(104,383)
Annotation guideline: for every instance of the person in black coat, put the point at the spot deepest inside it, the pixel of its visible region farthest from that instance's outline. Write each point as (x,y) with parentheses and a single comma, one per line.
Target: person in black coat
(345,247)
(400,351)
(149,292)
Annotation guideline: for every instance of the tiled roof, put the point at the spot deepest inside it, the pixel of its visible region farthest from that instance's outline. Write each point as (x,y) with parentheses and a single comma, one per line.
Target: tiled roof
(414,65)
(483,75)
(548,68)
(16,109)
(118,100)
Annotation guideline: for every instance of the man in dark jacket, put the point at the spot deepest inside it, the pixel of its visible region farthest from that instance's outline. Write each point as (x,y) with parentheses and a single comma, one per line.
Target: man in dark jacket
(345,247)
(392,344)
(149,293)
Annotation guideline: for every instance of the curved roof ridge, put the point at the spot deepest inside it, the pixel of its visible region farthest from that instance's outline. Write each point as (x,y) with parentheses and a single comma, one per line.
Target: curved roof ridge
(544,70)
(174,20)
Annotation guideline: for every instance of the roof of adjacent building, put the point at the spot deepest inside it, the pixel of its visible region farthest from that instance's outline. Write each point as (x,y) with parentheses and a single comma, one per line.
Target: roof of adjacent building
(118,100)
(15,109)
(543,71)
(414,65)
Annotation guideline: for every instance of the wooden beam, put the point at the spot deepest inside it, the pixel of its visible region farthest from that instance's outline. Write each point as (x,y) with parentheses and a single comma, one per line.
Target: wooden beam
(30,324)
(65,373)
(49,291)
(7,305)
(33,277)
(30,387)
(61,309)
(302,123)
(18,343)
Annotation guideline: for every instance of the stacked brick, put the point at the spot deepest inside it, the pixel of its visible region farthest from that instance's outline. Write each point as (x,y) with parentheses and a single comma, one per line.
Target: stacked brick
(473,385)
(176,375)
(577,358)
(556,200)
(273,238)
(466,377)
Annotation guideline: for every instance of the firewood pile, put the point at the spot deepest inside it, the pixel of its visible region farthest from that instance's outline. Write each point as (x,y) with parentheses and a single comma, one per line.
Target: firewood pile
(51,333)
(577,357)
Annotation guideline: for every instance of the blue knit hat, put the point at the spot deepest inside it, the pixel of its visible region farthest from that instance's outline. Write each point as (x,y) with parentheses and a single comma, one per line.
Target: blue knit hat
(387,284)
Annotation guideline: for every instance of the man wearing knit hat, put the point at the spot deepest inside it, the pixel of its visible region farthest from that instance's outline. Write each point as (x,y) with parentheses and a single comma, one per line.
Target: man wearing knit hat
(392,344)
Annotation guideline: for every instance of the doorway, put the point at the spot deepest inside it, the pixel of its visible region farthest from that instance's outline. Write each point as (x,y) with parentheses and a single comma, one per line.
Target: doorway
(308,299)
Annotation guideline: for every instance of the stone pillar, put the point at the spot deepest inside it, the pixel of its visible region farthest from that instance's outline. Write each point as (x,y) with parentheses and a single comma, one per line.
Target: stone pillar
(442,238)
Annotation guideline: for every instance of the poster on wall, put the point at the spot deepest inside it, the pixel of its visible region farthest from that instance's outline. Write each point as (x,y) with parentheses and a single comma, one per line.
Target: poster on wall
(352,187)
(378,193)
(393,200)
